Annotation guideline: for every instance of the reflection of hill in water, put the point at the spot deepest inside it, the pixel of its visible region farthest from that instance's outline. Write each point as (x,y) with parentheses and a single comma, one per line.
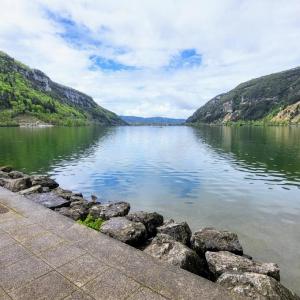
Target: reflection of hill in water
(37,149)
(272,149)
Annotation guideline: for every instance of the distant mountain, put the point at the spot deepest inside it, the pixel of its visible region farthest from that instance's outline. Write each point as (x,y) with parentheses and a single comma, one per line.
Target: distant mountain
(151,121)
(273,98)
(29,94)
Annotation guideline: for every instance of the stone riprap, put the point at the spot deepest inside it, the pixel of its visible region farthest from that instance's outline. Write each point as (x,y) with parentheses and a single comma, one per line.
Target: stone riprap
(209,252)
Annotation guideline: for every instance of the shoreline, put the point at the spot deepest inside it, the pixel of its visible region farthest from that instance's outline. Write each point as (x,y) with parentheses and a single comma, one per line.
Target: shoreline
(212,253)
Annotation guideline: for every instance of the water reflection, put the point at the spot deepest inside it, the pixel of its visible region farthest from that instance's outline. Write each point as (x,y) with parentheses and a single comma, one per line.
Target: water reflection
(258,150)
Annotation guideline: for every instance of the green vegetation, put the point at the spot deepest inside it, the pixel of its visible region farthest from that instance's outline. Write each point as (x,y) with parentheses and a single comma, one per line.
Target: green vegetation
(259,101)
(92,222)
(17,97)
(30,93)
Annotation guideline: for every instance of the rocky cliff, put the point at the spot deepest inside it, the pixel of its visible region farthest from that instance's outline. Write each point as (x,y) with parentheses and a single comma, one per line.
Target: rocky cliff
(273,98)
(25,91)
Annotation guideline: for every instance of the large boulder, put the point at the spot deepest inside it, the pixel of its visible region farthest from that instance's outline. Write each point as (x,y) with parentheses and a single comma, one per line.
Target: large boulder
(16,174)
(224,261)
(120,228)
(16,185)
(76,211)
(50,200)
(165,248)
(211,239)
(255,286)
(111,210)
(180,232)
(44,181)
(151,220)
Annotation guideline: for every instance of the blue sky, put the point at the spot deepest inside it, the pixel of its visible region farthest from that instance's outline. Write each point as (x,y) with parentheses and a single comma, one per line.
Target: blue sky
(152,58)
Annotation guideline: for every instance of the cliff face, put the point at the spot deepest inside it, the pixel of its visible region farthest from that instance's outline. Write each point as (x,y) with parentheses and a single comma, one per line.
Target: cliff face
(270,98)
(29,91)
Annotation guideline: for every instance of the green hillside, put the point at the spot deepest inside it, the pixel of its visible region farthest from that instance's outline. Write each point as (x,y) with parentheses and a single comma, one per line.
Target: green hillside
(271,99)
(29,95)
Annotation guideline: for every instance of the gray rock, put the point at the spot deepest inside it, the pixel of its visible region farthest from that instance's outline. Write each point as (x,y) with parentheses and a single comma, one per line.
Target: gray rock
(16,185)
(6,169)
(76,212)
(32,190)
(180,232)
(120,228)
(111,210)
(224,261)
(44,181)
(165,248)
(66,194)
(50,200)
(255,286)
(150,220)
(4,175)
(211,239)
(16,174)
(74,198)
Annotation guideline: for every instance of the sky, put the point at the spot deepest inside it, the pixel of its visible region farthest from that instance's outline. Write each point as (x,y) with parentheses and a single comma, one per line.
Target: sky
(152,57)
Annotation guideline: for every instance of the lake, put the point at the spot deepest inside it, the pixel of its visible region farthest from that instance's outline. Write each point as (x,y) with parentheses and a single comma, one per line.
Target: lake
(245,179)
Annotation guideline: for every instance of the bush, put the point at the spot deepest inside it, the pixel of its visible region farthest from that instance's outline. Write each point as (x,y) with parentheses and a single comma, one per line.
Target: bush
(92,222)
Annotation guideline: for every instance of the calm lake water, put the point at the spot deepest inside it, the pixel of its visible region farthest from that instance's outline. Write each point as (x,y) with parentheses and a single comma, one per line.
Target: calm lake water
(244,179)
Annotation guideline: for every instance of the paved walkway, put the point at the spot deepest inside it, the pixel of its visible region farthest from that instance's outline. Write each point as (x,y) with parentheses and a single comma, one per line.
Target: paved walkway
(45,255)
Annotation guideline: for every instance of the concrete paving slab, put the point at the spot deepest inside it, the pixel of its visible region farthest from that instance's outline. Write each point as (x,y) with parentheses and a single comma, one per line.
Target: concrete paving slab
(111,284)
(6,240)
(14,223)
(29,232)
(3,295)
(11,254)
(79,295)
(146,294)
(83,269)
(43,242)
(50,286)
(22,272)
(61,254)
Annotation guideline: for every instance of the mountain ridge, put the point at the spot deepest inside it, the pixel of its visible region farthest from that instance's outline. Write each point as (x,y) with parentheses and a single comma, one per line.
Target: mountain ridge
(273,98)
(134,120)
(26,91)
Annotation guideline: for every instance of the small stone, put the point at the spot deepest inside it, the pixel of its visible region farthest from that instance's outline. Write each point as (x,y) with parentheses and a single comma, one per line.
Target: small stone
(16,174)
(150,220)
(180,232)
(165,248)
(255,286)
(126,231)
(32,190)
(6,169)
(211,239)
(50,200)
(224,261)
(111,210)
(44,181)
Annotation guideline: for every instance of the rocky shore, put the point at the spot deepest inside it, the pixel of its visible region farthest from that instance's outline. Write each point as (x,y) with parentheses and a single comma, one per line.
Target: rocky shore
(209,252)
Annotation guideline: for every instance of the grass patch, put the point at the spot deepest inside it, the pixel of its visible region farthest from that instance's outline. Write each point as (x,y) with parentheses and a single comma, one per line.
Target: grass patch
(92,222)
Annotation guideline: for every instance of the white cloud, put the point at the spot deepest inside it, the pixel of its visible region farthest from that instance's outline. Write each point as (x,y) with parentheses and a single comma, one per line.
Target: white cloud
(237,39)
